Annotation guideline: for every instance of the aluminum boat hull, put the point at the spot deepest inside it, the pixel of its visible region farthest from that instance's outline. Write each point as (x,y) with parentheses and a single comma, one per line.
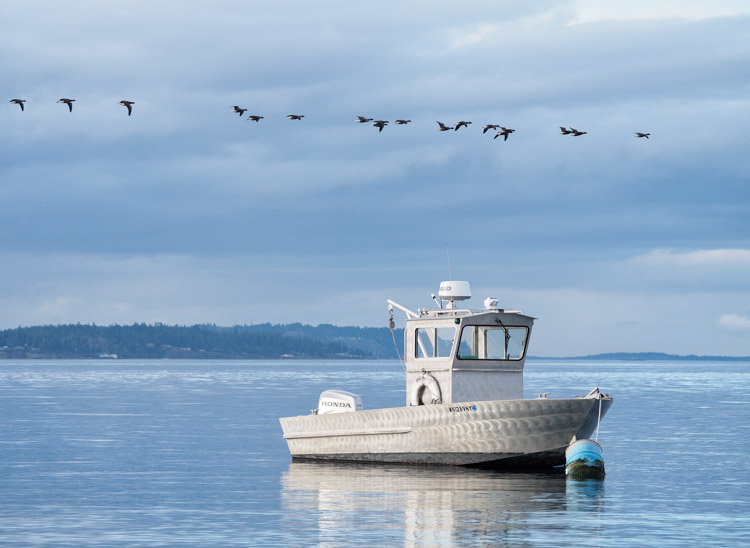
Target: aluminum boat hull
(496,434)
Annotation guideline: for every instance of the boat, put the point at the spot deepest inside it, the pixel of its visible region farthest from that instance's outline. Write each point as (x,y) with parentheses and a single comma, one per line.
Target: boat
(464,399)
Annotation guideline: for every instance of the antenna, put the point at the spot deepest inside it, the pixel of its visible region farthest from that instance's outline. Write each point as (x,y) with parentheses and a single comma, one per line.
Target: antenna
(448,252)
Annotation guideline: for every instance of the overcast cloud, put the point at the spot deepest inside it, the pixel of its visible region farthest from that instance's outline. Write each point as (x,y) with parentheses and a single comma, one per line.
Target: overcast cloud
(187,213)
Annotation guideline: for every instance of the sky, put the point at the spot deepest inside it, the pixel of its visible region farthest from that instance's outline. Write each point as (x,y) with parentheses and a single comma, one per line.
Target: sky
(187,213)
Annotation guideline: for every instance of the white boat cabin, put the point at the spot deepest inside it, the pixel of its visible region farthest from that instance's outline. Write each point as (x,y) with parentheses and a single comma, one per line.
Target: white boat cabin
(457,355)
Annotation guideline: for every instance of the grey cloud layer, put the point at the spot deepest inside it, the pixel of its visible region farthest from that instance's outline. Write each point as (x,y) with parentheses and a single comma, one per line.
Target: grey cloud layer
(185,176)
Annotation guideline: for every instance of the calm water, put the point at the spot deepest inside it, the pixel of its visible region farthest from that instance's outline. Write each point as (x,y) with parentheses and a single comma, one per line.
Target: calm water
(190,453)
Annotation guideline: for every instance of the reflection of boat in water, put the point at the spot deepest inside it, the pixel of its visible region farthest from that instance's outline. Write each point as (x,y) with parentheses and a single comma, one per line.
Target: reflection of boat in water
(465,406)
(397,478)
(417,505)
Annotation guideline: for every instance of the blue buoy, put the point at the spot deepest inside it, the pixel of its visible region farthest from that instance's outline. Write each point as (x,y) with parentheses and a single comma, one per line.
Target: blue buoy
(583,460)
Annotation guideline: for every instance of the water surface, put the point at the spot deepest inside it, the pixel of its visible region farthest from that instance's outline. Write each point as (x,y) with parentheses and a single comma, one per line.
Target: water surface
(190,453)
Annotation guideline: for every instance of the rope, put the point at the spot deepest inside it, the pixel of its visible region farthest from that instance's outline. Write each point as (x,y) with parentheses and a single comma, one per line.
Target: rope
(596,439)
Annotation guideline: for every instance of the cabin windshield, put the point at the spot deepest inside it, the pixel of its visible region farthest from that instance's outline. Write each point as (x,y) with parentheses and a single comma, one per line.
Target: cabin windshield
(434,342)
(492,342)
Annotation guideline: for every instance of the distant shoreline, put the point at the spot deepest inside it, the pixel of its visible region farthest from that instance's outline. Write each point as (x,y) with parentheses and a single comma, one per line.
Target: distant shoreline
(645,356)
(291,357)
(241,342)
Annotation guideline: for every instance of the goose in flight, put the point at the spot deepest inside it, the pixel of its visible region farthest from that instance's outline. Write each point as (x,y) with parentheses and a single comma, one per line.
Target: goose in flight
(255,118)
(575,133)
(360,119)
(443,127)
(380,124)
(239,110)
(504,132)
(295,116)
(488,127)
(68,102)
(639,134)
(19,102)
(128,104)
(564,131)
(460,124)
(402,122)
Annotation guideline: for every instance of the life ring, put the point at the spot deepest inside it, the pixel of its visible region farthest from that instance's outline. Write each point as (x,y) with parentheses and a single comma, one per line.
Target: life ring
(425,383)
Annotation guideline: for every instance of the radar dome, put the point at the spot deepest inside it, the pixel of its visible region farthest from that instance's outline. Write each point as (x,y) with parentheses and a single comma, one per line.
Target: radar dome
(454,291)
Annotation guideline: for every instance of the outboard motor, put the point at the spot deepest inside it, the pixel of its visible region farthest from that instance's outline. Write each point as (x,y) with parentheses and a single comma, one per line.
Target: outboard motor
(338,401)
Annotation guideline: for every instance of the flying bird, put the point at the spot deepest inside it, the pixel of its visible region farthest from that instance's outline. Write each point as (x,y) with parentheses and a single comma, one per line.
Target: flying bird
(637,134)
(564,131)
(128,104)
(461,123)
(239,110)
(359,120)
(575,133)
(488,127)
(68,102)
(380,124)
(402,122)
(255,118)
(443,127)
(19,102)
(504,132)
(295,116)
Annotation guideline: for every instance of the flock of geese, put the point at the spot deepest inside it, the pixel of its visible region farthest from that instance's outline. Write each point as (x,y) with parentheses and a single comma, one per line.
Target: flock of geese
(501,131)
(69,102)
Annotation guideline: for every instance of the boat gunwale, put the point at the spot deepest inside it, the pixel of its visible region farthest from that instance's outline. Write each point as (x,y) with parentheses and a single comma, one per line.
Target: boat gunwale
(341,433)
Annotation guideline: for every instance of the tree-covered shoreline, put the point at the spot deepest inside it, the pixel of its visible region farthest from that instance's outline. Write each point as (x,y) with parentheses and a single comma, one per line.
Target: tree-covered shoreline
(258,341)
(157,341)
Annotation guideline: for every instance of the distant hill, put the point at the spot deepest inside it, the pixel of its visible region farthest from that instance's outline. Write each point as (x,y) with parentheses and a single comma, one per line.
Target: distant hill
(652,356)
(208,341)
(157,341)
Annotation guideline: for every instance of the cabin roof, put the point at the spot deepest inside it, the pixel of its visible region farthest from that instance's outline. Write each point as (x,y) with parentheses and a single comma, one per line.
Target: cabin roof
(463,314)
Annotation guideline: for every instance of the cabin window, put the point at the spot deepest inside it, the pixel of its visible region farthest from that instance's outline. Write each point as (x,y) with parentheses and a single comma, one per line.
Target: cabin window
(434,342)
(492,342)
